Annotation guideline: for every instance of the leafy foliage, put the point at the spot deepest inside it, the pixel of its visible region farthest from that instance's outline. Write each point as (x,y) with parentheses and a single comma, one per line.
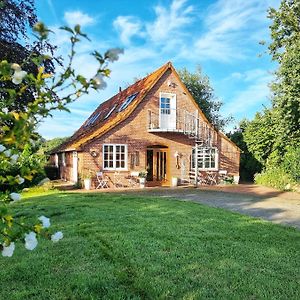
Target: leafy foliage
(15,18)
(274,135)
(49,145)
(277,177)
(18,136)
(249,165)
(200,88)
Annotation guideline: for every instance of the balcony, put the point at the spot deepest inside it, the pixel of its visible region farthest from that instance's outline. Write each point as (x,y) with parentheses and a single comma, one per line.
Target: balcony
(181,121)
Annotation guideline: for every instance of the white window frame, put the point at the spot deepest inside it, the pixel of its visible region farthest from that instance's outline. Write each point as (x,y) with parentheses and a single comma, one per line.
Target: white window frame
(114,168)
(203,161)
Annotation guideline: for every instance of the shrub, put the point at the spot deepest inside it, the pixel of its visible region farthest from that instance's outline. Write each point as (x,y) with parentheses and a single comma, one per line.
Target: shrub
(276,177)
(291,162)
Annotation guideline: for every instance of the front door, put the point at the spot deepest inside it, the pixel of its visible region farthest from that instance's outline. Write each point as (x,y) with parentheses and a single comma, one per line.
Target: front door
(157,166)
(167,111)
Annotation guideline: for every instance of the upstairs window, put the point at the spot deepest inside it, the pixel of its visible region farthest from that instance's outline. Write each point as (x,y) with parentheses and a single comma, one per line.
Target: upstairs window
(114,157)
(128,100)
(165,105)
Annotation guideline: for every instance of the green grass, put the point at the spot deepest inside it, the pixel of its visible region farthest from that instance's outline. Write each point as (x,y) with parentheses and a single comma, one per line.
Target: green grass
(134,247)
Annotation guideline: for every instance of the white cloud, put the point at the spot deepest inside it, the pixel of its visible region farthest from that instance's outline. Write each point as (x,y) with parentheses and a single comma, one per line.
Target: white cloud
(252,96)
(169,20)
(127,26)
(78,17)
(227,25)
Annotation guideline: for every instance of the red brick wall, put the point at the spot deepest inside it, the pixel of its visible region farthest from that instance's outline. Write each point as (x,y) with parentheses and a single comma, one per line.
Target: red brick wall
(133,132)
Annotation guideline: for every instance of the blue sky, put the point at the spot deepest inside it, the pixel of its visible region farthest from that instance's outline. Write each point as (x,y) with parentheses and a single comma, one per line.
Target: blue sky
(221,36)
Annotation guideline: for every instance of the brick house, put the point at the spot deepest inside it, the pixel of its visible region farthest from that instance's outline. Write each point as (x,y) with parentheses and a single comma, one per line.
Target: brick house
(154,125)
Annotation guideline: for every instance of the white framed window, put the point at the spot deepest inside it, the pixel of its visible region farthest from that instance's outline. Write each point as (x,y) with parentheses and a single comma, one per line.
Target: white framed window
(114,157)
(207,158)
(165,105)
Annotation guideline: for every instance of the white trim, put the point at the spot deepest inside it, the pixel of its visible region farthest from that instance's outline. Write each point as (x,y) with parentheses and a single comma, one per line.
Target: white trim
(75,167)
(56,160)
(173,108)
(114,168)
(216,168)
(63,159)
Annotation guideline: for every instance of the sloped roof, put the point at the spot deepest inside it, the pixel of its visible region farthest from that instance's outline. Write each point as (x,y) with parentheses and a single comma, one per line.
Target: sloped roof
(107,114)
(101,124)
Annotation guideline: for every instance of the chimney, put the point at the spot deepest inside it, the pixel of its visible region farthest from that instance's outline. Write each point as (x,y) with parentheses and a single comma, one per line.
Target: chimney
(120,89)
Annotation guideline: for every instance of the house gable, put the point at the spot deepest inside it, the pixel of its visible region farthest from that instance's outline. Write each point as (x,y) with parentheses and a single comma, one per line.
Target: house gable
(117,109)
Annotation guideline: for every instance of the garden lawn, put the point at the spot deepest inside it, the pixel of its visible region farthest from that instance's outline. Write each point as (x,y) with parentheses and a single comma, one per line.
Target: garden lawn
(133,247)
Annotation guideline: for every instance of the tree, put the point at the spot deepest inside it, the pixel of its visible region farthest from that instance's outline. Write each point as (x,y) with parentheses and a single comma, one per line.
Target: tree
(249,165)
(18,127)
(285,49)
(273,137)
(200,88)
(15,19)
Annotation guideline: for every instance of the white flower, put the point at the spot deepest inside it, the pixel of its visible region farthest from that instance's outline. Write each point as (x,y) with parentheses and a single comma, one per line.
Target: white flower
(45,221)
(18,76)
(14,158)
(20,179)
(113,54)
(16,67)
(30,240)
(15,196)
(8,250)
(99,82)
(2,148)
(5,110)
(56,236)
(7,153)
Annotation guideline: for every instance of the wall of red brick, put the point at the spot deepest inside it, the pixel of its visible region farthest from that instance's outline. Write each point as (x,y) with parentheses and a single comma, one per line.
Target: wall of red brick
(133,132)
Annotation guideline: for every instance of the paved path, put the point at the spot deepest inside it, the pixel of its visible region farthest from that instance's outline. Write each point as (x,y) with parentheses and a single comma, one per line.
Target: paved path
(249,199)
(269,204)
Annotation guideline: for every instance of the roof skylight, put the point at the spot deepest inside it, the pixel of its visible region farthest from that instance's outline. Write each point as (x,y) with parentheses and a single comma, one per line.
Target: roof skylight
(128,100)
(92,119)
(109,113)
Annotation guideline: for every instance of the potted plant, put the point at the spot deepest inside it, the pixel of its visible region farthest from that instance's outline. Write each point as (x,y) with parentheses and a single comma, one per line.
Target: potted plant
(87,179)
(142,178)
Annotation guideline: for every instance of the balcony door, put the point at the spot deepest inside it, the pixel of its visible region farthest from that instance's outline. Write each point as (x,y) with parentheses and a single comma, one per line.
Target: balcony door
(167,111)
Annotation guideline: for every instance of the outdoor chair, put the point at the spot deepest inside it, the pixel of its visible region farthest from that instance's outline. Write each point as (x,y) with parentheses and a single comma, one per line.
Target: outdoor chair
(133,179)
(118,180)
(102,180)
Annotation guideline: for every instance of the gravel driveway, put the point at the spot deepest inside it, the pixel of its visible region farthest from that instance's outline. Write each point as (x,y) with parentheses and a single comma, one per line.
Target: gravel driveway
(269,204)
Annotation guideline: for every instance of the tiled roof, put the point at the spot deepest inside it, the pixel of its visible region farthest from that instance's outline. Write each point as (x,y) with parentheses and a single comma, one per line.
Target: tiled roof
(100,120)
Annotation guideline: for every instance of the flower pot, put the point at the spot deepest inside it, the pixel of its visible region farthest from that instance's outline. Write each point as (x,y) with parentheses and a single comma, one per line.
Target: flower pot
(142,182)
(174,181)
(236,179)
(87,183)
